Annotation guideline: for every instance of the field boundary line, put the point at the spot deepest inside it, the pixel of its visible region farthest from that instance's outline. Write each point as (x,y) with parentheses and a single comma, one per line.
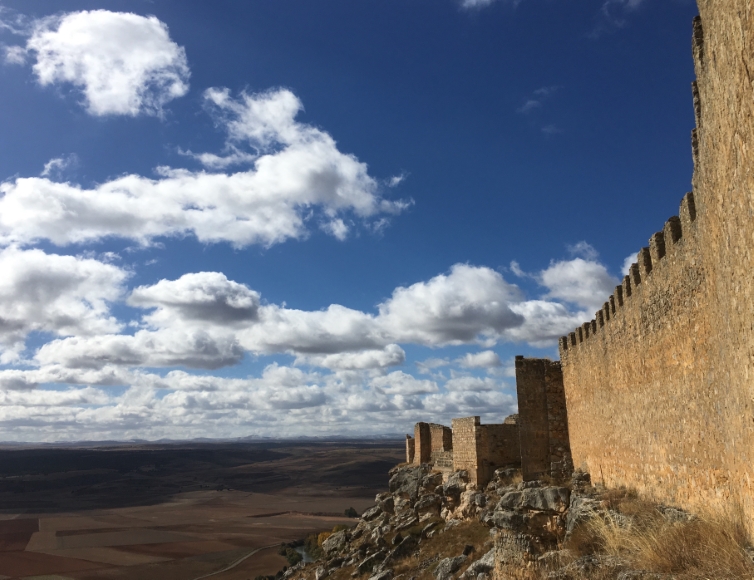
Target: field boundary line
(237,562)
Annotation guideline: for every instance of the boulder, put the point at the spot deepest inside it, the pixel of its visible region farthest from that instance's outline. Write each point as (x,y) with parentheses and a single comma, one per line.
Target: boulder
(510,501)
(405,548)
(406,523)
(370,562)
(371,513)
(378,539)
(387,504)
(407,480)
(505,520)
(582,509)
(675,515)
(456,483)
(428,504)
(430,481)
(483,565)
(335,543)
(428,528)
(320,573)
(449,566)
(471,502)
(546,499)
(400,504)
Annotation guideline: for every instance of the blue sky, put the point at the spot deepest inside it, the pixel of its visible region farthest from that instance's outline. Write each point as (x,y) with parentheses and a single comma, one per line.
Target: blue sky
(318,217)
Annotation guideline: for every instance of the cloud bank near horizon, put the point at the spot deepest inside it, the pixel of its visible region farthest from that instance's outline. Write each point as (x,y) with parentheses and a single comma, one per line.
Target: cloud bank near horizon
(156,375)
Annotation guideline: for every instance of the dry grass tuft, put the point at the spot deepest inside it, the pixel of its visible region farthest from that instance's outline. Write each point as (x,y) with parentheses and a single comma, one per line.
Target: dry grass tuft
(444,545)
(517,477)
(711,546)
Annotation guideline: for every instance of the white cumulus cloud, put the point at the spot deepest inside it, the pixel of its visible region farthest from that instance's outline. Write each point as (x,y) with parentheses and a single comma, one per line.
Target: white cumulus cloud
(391,355)
(400,383)
(480,360)
(15,54)
(300,172)
(62,295)
(204,320)
(586,283)
(452,309)
(197,298)
(124,64)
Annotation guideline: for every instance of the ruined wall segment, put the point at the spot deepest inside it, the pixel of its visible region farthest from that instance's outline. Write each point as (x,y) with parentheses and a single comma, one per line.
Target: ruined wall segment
(660,386)
(441,437)
(422,443)
(465,446)
(559,444)
(500,447)
(481,449)
(432,443)
(410,449)
(543,420)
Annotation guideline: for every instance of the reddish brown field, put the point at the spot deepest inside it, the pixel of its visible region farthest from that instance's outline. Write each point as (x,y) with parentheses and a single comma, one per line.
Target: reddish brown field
(266,496)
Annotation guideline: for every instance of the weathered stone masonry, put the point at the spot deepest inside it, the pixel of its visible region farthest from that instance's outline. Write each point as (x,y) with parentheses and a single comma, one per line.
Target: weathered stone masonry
(536,439)
(480,449)
(410,449)
(543,419)
(431,441)
(660,385)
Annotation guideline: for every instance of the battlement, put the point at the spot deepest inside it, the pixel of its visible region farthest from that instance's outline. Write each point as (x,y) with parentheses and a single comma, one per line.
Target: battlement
(655,392)
(666,243)
(659,385)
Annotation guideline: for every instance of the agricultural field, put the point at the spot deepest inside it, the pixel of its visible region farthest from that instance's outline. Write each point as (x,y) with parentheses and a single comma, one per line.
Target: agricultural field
(218,511)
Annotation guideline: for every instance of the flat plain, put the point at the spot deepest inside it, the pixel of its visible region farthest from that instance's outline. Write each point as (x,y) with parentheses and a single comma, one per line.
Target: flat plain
(177,511)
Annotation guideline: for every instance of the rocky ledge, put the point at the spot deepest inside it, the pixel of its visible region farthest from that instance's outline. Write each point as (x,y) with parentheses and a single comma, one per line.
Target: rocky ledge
(435,525)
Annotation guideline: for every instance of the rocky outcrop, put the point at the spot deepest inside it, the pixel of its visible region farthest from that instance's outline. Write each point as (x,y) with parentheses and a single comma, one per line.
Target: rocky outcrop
(529,527)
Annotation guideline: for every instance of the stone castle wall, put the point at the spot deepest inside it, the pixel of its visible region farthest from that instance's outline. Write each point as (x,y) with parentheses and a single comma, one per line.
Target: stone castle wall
(481,449)
(660,385)
(500,447)
(442,460)
(543,419)
(465,446)
(422,443)
(429,439)
(410,449)
(441,437)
